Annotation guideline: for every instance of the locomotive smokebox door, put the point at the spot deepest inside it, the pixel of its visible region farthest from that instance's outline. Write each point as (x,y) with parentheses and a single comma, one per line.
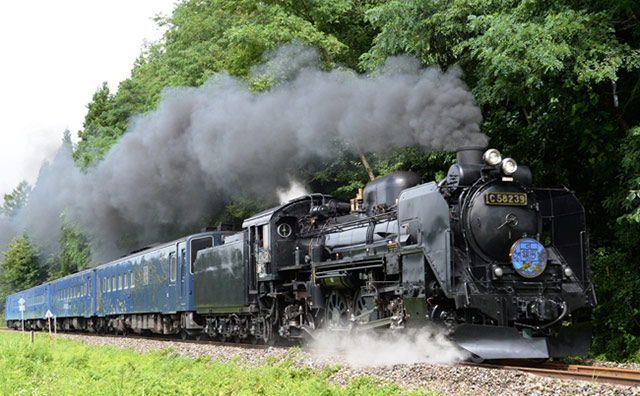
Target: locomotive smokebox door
(497,215)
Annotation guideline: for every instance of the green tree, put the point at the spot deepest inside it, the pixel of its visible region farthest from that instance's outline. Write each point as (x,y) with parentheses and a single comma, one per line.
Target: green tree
(20,267)
(74,251)
(541,71)
(15,200)
(628,197)
(617,318)
(107,118)
(207,37)
(343,19)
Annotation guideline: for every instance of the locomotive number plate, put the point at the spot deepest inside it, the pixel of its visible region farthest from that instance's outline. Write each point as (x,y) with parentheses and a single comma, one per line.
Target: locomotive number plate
(505,198)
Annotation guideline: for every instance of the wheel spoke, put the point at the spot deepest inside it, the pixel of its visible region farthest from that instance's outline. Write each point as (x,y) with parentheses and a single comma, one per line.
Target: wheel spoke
(364,308)
(337,310)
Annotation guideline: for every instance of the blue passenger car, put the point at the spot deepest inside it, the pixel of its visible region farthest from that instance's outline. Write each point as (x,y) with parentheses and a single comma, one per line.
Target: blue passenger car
(150,290)
(36,304)
(73,297)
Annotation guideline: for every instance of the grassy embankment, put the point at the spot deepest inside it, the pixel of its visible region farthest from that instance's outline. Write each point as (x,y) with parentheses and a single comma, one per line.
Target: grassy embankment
(71,368)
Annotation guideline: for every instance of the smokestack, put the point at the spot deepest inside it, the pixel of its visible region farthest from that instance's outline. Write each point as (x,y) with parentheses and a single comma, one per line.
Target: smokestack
(470,155)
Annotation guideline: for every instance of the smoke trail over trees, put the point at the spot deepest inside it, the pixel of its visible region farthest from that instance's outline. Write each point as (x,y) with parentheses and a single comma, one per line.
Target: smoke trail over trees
(204,145)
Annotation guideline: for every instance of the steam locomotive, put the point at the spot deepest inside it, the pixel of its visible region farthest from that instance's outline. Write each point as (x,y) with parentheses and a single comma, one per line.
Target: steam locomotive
(501,265)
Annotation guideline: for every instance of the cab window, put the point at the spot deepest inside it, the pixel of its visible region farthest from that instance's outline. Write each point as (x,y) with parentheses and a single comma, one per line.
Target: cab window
(265,236)
(198,244)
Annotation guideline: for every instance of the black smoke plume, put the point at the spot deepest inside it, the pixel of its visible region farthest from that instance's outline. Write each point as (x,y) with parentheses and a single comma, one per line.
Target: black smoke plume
(203,145)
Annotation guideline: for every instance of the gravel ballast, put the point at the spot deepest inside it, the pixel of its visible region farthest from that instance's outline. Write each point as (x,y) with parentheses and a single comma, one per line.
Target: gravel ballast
(446,379)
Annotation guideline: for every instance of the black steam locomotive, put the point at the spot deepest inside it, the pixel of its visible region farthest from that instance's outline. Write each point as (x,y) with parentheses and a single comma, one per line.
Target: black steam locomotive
(500,264)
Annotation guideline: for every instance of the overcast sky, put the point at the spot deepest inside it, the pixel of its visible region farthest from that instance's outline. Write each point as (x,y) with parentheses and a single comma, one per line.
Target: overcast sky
(54,55)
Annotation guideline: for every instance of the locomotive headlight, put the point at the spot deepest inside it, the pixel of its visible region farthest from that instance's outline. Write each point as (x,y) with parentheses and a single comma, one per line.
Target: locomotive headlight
(498,271)
(568,272)
(509,166)
(492,157)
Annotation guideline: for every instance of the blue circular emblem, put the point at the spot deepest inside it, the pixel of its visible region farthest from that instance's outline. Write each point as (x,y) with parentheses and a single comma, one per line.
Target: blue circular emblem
(529,257)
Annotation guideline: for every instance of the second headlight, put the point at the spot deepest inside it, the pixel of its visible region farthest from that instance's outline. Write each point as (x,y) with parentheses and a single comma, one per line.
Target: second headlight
(509,166)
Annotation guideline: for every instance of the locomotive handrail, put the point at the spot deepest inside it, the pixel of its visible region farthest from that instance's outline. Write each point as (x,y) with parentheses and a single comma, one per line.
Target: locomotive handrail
(559,189)
(348,225)
(526,284)
(326,274)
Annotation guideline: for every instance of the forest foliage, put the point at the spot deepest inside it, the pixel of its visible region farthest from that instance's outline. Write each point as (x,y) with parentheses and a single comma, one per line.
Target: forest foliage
(557,81)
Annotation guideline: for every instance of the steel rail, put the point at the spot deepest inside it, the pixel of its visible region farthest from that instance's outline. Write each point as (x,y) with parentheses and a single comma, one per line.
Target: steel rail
(164,338)
(618,376)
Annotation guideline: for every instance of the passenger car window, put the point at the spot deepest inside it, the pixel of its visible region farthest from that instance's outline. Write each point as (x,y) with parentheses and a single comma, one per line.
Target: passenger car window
(172,265)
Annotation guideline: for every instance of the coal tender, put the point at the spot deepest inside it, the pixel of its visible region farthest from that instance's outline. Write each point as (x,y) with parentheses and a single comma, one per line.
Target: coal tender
(501,265)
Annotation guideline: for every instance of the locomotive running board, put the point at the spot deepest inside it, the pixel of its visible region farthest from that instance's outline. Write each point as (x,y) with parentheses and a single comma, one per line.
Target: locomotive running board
(495,342)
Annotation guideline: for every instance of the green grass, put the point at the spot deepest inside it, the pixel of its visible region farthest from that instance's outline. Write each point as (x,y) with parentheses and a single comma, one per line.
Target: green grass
(71,368)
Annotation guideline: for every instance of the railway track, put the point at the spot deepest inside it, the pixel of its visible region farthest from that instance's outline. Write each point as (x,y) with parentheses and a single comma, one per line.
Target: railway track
(188,340)
(618,376)
(168,338)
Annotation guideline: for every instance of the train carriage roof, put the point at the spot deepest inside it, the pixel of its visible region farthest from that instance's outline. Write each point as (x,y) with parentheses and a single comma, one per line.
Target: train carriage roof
(153,248)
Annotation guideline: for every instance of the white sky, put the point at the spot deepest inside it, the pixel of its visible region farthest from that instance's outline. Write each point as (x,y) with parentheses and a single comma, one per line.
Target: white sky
(53,57)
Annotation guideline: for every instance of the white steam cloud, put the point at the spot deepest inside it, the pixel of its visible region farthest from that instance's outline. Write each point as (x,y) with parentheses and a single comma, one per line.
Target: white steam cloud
(202,146)
(370,349)
(296,189)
